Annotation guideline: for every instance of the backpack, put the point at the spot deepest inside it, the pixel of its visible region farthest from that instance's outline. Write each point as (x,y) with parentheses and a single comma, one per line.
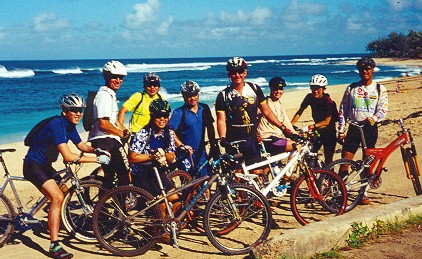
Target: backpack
(88,116)
(37,128)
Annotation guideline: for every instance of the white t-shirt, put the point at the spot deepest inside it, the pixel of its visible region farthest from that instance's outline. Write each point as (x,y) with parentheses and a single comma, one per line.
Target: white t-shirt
(105,106)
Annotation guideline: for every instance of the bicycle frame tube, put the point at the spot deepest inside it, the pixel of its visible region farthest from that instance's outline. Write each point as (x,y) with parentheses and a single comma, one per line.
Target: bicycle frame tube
(381,154)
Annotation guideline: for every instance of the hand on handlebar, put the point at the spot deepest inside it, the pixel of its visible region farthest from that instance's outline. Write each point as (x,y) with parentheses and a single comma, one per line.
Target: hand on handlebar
(224,143)
(160,156)
(99,152)
(103,159)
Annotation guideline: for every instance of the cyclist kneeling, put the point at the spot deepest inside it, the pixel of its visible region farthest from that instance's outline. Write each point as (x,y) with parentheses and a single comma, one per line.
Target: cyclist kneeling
(44,148)
(154,143)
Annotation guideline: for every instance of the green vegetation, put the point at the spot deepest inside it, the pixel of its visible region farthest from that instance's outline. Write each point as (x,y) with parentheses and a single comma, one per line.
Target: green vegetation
(397,45)
(361,234)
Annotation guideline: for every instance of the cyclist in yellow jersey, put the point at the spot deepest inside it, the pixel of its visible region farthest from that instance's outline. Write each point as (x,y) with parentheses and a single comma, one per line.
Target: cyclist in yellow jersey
(139,103)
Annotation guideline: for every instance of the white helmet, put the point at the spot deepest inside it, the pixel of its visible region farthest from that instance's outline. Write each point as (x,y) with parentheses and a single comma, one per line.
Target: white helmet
(115,68)
(318,80)
(70,100)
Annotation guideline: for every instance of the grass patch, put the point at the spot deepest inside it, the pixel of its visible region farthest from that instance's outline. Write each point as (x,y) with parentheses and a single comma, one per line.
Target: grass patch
(362,234)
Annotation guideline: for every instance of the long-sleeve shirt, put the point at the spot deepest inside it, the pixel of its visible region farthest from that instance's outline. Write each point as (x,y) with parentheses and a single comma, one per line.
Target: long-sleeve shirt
(361,102)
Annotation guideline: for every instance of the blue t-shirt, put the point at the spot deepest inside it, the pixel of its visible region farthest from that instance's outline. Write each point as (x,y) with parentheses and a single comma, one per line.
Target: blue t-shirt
(43,149)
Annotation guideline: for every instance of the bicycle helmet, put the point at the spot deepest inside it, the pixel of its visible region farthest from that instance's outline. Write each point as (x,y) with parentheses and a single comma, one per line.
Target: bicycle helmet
(189,88)
(115,68)
(236,64)
(365,63)
(277,83)
(318,80)
(159,108)
(151,79)
(71,100)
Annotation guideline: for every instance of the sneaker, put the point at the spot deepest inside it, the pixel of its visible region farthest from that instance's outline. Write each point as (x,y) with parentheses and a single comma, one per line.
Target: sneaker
(59,252)
(365,200)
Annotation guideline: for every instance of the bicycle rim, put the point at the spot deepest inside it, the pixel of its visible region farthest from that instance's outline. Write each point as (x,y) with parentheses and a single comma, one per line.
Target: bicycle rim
(237,236)
(306,208)
(355,182)
(76,218)
(413,172)
(7,216)
(121,234)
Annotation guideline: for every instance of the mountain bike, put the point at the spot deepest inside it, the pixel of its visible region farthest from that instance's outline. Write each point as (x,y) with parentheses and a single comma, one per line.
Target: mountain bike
(76,210)
(317,193)
(127,221)
(363,174)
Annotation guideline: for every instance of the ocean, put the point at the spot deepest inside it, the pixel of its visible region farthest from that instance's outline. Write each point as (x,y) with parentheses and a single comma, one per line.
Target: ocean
(31,88)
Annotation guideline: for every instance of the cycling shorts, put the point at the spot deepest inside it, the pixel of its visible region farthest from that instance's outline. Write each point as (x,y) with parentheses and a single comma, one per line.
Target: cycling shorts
(276,145)
(249,149)
(36,173)
(353,139)
(119,162)
(328,139)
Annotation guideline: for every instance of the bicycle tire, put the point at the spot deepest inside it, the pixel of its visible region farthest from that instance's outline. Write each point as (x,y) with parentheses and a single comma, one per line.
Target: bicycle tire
(414,176)
(307,208)
(355,182)
(195,215)
(75,219)
(120,235)
(232,236)
(179,178)
(7,219)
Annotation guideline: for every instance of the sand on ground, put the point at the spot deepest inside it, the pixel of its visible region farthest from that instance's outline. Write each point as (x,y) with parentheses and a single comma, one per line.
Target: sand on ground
(395,186)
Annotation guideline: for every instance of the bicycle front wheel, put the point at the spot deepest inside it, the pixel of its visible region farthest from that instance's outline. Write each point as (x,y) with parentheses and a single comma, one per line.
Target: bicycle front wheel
(124,224)
(77,217)
(328,199)
(351,172)
(413,170)
(237,221)
(7,217)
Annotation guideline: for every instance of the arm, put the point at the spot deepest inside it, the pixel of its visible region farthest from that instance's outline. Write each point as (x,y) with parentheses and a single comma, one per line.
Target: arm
(121,115)
(382,105)
(221,124)
(69,156)
(82,146)
(299,112)
(108,127)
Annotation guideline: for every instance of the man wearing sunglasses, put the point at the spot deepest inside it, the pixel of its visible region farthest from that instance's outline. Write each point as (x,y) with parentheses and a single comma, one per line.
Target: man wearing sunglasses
(107,133)
(190,123)
(139,103)
(45,145)
(237,111)
(364,101)
(324,114)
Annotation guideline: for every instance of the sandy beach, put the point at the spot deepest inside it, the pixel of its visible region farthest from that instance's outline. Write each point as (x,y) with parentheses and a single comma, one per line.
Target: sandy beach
(395,185)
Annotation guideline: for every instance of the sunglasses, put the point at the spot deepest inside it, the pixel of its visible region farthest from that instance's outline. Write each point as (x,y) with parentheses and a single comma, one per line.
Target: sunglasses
(234,72)
(117,77)
(152,85)
(164,115)
(315,87)
(76,109)
(189,95)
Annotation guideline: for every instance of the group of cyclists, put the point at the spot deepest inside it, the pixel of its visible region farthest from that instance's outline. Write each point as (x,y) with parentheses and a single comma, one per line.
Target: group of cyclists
(243,112)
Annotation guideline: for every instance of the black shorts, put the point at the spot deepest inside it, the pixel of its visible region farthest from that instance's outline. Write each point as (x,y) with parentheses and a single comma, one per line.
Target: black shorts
(119,162)
(327,138)
(37,174)
(249,149)
(353,139)
(148,181)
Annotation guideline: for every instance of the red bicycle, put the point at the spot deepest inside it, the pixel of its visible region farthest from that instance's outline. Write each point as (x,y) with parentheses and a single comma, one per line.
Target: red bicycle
(363,174)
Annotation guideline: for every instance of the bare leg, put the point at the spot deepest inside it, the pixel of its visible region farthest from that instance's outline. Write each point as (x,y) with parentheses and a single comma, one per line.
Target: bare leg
(52,191)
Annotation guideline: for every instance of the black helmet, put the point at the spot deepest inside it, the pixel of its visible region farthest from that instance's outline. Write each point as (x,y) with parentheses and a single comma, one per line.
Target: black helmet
(159,108)
(277,83)
(365,63)
(189,88)
(151,79)
(236,64)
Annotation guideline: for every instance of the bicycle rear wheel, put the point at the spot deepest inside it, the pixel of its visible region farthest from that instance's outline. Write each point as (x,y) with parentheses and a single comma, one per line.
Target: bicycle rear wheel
(414,176)
(237,235)
(124,224)
(7,217)
(355,182)
(307,207)
(76,218)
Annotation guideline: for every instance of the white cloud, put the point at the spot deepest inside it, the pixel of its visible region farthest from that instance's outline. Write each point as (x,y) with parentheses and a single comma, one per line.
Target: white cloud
(49,22)
(144,13)
(260,15)
(354,24)
(164,26)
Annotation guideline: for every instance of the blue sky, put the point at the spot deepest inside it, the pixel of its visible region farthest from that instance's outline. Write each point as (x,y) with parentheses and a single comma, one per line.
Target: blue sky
(76,29)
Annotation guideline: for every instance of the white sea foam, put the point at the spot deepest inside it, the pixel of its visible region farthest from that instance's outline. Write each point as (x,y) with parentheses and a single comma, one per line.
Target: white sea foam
(75,70)
(144,68)
(17,73)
